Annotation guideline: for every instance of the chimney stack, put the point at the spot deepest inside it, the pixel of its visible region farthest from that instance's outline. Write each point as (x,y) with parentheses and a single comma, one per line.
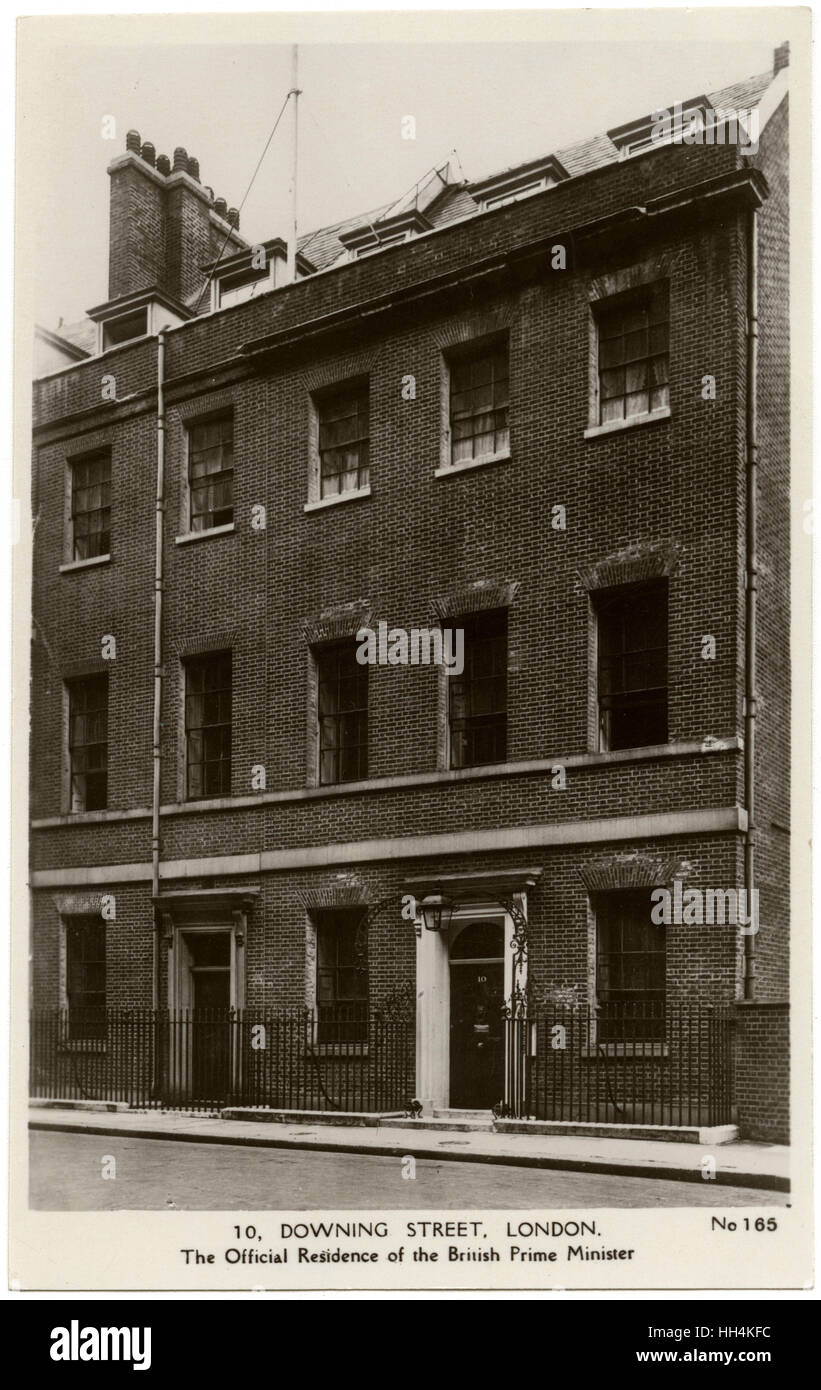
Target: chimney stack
(163,227)
(782,58)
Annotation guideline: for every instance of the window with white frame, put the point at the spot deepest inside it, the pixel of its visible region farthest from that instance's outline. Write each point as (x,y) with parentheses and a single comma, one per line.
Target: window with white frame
(632,665)
(477,699)
(633,336)
(479,402)
(90,515)
(630,967)
(342,713)
(208,725)
(211,473)
(88,742)
(341,975)
(343,439)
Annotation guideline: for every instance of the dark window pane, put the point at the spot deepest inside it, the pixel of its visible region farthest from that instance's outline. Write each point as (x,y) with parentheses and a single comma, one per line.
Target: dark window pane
(630,967)
(632,666)
(633,354)
(85,977)
(88,742)
(208,681)
(211,473)
(342,976)
(91,506)
(342,714)
(479,398)
(478,697)
(343,440)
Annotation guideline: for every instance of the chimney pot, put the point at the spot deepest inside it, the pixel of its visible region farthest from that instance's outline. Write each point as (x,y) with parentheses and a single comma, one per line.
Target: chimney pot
(132,142)
(782,57)
(233,217)
(180,159)
(194,168)
(164,164)
(220,207)
(210,192)
(149,153)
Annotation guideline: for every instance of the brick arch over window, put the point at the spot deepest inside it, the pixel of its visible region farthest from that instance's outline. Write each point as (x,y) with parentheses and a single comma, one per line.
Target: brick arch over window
(215,640)
(622,871)
(473,326)
(337,895)
(78,904)
(633,565)
(337,623)
(633,277)
(339,370)
(475,598)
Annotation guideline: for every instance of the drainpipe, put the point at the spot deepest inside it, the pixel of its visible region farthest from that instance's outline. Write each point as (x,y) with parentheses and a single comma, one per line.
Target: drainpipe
(158,666)
(751,604)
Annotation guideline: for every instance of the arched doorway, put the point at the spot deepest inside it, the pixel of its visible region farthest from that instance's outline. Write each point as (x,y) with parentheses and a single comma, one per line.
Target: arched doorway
(476,1026)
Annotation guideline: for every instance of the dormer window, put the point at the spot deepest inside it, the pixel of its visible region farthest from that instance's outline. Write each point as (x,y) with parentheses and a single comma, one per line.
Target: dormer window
(382,244)
(237,289)
(125,328)
(383,232)
(135,316)
(681,124)
(515,184)
(500,200)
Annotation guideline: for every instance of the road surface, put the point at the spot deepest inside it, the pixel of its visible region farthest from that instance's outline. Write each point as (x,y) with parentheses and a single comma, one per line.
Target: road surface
(158,1174)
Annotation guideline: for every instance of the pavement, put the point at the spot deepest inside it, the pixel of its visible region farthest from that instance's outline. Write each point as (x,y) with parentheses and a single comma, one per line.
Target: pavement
(740,1164)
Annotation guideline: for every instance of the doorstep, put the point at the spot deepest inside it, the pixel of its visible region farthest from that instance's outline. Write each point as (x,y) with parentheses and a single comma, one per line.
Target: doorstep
(116,1107)
(483,1122)
(313,1117)
(446,1126)
(665,1134)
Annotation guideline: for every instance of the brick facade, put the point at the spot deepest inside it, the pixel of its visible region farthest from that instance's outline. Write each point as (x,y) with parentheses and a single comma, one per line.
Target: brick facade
(664,498)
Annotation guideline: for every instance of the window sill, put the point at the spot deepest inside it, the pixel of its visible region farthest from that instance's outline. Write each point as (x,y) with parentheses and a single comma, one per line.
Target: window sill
(338,497)
(465,466)
(616,426)
(84,564)
(205,535)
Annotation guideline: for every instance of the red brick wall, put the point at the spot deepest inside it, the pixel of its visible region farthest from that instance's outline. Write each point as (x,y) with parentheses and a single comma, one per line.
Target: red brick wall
(677,483)
(773,723)
(762,1071)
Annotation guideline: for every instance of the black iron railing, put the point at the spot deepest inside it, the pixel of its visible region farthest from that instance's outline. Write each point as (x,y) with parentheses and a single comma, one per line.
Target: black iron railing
(622,1063)
(210,1058)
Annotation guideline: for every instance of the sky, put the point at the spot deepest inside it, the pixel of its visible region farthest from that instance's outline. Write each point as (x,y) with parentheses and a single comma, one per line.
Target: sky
(494,103)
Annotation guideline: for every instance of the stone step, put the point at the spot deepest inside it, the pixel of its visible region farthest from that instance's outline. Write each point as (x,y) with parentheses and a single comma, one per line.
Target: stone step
(449,1114)
(444,1126)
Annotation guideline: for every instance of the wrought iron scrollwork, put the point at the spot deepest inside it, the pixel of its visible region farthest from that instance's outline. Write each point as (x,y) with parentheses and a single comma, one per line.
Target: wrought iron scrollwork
(401,1004)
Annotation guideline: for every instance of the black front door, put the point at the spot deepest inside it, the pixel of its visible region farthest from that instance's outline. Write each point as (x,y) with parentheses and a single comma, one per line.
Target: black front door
(211,1028)
(476,1034)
